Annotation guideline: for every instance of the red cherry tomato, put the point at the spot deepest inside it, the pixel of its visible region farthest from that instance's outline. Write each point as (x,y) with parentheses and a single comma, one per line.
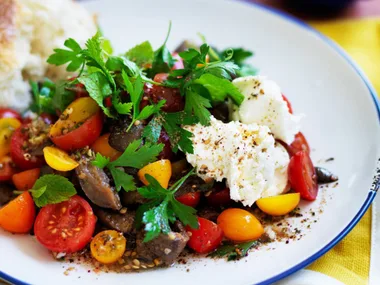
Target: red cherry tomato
(65,227)
(179,62)
(160,77)
(25,180)
(7,170)
(302,176)
(219,198)
(174,101)
(18,154)
(205,239)
(299,144)
(288,103)
(9,113)
(83,136)
(190,199)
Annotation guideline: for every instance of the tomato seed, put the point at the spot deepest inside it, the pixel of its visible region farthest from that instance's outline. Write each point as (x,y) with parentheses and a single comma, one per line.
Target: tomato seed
(63,210)
(54,231)
(64,235)
(51,222)
(76,229)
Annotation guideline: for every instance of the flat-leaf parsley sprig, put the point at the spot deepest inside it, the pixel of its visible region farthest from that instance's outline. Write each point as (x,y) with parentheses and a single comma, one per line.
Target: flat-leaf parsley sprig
(162,208)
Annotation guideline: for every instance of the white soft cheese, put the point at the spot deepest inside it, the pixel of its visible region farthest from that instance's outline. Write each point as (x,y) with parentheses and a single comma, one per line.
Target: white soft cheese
(263,104)
(244,155)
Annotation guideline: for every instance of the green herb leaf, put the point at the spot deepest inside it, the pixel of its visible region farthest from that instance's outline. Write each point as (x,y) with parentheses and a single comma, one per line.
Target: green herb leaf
(220,88)
(141,54)
(198,105)
(100,161)
(99,88)
(152,131)
(233,251)
(43,97)
(156,221)
(72,55)
(52,189)
(62,96)
(122,179)
(138,156)
(150,110)
(185,213)
(121,108)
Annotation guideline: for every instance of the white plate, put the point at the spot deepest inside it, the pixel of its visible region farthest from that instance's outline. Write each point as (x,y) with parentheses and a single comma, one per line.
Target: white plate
(319,79)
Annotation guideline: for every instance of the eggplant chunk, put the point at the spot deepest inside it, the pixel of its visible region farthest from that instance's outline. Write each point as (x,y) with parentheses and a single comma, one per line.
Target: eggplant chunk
(325,176)
(6,194)
(119,137)
(96,185)
(115,220)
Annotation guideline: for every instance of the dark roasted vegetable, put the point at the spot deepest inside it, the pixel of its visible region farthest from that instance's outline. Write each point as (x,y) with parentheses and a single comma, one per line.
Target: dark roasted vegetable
(325,176)
(6,194)
(115,220)
(119,137)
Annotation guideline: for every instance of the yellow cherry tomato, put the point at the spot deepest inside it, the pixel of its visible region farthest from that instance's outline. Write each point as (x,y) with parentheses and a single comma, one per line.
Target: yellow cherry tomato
(279,205)
(161,170)
(107,247)
(240,225)
(102,146)
(58,159)
(7,127)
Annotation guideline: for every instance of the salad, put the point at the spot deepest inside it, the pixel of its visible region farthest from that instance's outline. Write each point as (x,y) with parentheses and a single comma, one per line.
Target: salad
(141,157)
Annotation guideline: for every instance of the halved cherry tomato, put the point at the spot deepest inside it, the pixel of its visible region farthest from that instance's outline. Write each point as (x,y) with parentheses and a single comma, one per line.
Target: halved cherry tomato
(19,156)
(6,168)
(161,170)
(107,247)
(206,238)
(179,61)
(299,144)
(219,198)
(288,103)
(9,113)
(279,205)
(79,126)
(160,77)
(58,159)
(26,179)
(65,227)
(18,215)
(7,127)
(302,176)
(240,225)
(102,146)
(190,199)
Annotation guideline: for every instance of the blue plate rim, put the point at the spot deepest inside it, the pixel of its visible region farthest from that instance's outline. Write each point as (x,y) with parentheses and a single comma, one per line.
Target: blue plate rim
(371,195)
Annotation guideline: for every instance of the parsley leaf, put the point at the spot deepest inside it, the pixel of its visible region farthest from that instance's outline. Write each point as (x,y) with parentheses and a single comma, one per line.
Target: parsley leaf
(198,104)
(72,55)
(164,207)
(141,54)
(233,251)
(163,60)
(136,156)
(239,57)
(121,108)
(98,88)
(63,96)
(152,131)
(52,189)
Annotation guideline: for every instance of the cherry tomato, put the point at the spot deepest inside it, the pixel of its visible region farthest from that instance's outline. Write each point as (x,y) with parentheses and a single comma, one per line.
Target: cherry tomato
(299,144)
(108,247)
(18,215)
(279,205)
(25,180)
(206,238)
(102,146)
(6,168)
(80,91)
(108,102)
(9,113)
(174,101)
(302,176)
(7,127)
(190,199)
(288,103)
(240,225)
(79,126)
(65,227)
(160,77)
(161,170)
(58,159)
(219,198)
(179,62)
(19,156)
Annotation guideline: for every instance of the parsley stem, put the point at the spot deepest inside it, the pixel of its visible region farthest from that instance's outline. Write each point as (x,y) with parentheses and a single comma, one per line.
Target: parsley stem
(179,183)
(168,34)
(130,125)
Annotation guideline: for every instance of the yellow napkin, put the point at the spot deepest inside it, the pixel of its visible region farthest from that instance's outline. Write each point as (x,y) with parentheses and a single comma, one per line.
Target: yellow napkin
(349,261)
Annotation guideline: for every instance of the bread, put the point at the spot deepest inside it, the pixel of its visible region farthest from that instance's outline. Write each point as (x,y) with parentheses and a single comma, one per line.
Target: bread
(29,31)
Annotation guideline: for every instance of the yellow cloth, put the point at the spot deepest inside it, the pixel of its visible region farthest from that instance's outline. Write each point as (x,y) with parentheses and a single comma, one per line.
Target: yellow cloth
(349,261)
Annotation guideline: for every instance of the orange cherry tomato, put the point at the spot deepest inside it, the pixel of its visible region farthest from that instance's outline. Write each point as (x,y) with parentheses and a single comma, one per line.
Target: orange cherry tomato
(25,180)
(102,146)
(190,199)
(108,246)
(240,225)
(18,215)
(161,170)
(279,205)
(79,125)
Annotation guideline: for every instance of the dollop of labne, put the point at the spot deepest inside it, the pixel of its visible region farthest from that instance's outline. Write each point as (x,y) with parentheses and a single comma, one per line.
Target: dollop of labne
(263,104)
(246,155)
